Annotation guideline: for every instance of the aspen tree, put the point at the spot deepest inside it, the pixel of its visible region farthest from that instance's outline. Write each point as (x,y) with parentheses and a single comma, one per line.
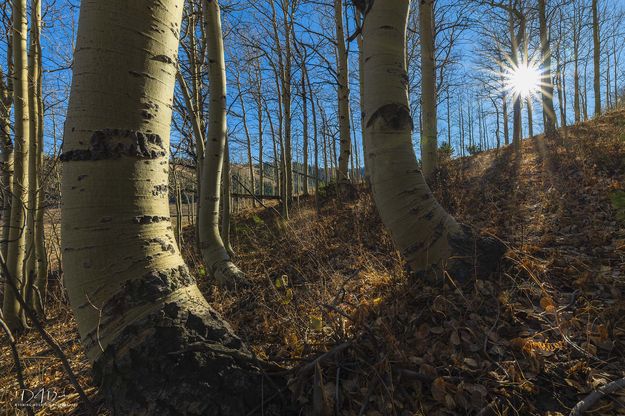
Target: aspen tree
(214,253)
(41,261)
(429,139)
(596,57)
(343,94)
(156,345)
(6,157)
(17,237)
(549,113)
(248,137)
(428,237)
(258,94)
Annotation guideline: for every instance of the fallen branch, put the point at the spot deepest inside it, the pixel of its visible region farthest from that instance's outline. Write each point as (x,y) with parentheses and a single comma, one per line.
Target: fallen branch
(46,337)
(590,400)
(16,358)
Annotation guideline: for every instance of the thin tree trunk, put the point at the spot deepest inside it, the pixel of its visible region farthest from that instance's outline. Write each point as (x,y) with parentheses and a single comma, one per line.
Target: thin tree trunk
(156,345)
(343,95)
(17,237)
(596,57)
(429,141)
(41,266)
(248,137)
(305,126)
(428,237)
(6,158)
(546,89)
(506,127)
(226,187)
(530,120)
(214,253)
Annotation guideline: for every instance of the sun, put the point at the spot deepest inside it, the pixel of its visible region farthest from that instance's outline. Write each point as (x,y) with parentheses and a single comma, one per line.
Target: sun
(523,80)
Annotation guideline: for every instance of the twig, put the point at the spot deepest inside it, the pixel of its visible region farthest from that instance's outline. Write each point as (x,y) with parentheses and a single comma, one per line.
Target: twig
(590,400)
(323,357)
(16,358)
(46,337)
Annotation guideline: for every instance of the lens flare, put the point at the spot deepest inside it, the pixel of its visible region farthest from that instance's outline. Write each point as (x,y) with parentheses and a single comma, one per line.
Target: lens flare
(523,80)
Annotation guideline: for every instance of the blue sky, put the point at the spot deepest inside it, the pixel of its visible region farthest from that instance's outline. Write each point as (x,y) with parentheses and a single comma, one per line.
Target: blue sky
(60,21)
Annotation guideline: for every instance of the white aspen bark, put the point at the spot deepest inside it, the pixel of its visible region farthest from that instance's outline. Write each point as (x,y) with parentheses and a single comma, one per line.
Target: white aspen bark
(576,42)
(226,187)
(429,141)
(156,345)
(343,94)
(248,137)
(6,159)
(428,237)
(17,236)
(214,253)
(305,126)
(34,75)
(259,114)
(361,81)
(549,113)
(596,57)
(41,265)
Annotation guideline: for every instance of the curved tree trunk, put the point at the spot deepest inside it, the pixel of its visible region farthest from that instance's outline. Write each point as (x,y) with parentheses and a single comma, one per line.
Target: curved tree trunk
(429,134)
(426,234)
(156,345)
(17,236)
(213,250)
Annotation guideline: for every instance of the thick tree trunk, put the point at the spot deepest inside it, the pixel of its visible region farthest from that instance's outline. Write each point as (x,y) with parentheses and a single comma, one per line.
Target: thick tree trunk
(427,236)
(157,347)
(343,94)
(212,247)
(549,114)
(596,57)
(429,134)
(17,235)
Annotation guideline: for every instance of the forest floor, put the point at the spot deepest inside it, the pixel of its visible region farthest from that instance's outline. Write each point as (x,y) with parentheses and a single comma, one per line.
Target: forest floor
(329,288)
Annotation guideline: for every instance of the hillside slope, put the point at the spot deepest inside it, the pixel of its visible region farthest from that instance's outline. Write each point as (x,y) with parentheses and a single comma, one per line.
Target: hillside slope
(331,299)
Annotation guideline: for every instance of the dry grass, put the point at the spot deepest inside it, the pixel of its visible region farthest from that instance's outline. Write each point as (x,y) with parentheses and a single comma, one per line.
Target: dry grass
(535,339)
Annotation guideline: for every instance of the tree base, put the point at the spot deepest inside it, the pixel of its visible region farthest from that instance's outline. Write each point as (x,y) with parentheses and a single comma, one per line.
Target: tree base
(185,360)
(229,276)
(472,257)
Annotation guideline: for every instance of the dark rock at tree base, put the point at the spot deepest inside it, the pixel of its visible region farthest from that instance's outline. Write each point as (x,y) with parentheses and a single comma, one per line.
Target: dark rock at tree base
(183,360)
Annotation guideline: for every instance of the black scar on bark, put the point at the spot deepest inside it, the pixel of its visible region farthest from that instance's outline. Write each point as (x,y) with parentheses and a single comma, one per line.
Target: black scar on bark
(115,143)
(396,116)
(149,219)
(181,360)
